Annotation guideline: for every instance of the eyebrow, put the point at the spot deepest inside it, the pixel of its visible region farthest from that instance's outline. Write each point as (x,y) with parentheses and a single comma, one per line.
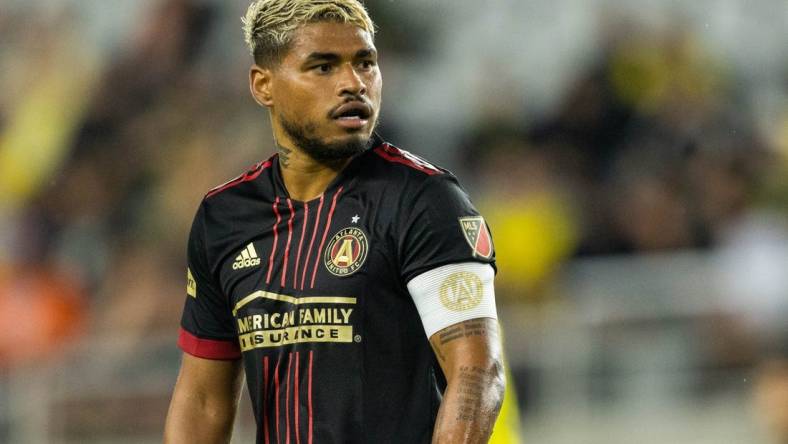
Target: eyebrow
(330,56)
(366,52)
(315,56)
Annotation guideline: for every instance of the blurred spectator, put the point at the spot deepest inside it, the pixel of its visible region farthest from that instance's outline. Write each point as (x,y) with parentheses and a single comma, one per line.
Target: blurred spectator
(527,206)
(41,311)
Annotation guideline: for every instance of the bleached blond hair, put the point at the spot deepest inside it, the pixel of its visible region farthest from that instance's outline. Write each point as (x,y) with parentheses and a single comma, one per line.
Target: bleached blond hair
(269,24)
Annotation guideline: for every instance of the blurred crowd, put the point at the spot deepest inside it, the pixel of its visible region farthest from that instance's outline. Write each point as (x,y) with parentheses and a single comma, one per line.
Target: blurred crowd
(654,147)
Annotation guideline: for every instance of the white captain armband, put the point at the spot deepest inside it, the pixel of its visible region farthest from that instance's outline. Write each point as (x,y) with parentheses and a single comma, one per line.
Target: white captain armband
(453,293)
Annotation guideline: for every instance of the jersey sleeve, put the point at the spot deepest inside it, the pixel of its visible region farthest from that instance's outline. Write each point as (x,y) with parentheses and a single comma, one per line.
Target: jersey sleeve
(207,329)
(448,256)
(440,227)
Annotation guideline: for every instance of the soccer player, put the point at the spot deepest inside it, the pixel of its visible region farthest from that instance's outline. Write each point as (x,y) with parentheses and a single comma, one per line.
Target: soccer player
(350,280)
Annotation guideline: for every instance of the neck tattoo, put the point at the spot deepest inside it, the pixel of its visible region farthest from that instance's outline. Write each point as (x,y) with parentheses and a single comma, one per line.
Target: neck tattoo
(284,155)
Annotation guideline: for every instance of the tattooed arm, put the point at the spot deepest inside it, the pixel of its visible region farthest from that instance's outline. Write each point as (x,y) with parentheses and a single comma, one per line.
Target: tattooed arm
(470,355)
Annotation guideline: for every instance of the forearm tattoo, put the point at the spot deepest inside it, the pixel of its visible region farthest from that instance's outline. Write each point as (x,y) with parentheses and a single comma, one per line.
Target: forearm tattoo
(463,330)
(470,390)
(475,391)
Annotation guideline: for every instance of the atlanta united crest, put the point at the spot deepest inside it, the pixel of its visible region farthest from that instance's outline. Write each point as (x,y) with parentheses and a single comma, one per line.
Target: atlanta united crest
(478,237)
(346,252)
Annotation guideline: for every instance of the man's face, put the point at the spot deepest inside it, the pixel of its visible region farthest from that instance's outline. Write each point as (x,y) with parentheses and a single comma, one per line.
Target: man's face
(325,93)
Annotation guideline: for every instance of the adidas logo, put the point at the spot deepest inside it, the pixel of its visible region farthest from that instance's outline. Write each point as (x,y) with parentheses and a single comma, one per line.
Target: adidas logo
(247,258)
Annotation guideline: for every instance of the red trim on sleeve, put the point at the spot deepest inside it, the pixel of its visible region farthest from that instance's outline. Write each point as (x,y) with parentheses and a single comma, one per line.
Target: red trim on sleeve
(245,177)
(207,348)
(396,155)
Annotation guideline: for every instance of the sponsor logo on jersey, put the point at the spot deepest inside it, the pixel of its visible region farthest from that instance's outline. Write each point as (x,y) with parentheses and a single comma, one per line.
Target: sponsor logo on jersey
(247,258)
(461,291)
(478,237)
(346,252)
(290,320)
(191,284)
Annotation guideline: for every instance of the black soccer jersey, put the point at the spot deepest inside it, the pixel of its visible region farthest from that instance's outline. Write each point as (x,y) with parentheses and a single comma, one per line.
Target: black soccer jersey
(313,297)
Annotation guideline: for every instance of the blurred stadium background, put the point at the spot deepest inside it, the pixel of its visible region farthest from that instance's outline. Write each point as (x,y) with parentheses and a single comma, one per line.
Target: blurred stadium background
(631,158)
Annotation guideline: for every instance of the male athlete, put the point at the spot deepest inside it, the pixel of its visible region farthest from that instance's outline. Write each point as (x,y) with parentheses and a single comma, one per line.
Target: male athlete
(351,280)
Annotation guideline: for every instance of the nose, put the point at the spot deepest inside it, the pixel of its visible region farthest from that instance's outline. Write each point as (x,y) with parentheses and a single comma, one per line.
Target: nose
(350,82)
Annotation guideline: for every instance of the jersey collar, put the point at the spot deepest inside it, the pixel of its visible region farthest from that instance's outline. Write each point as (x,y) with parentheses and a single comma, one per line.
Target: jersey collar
(343,178)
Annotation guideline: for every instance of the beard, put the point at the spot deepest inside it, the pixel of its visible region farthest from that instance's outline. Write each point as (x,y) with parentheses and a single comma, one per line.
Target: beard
(303,135)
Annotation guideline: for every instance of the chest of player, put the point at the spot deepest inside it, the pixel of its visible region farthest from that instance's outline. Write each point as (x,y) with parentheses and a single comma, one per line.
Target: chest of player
(305,272)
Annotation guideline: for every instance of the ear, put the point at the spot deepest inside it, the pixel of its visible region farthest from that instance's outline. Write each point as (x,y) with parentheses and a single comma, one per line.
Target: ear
(260,80)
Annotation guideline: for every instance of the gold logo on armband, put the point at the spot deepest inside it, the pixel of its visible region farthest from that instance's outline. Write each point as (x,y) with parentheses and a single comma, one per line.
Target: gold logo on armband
(461,291)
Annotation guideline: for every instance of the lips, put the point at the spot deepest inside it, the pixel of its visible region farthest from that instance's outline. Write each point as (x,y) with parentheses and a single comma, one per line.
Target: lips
(353,109)
(352,115)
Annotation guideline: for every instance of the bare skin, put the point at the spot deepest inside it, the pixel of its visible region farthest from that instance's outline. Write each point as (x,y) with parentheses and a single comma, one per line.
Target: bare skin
(470,355)
(328,64)
(204,401)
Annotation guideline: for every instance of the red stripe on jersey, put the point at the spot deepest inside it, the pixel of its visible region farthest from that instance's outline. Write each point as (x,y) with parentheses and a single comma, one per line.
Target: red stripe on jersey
(287,398)
(309,397)
(311,242)
(276,241)
(289,237)
(297,400)
(276,396)
(301,244)
(396,155)
(325,232)
(252,174)
(265,398)
(208,348)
